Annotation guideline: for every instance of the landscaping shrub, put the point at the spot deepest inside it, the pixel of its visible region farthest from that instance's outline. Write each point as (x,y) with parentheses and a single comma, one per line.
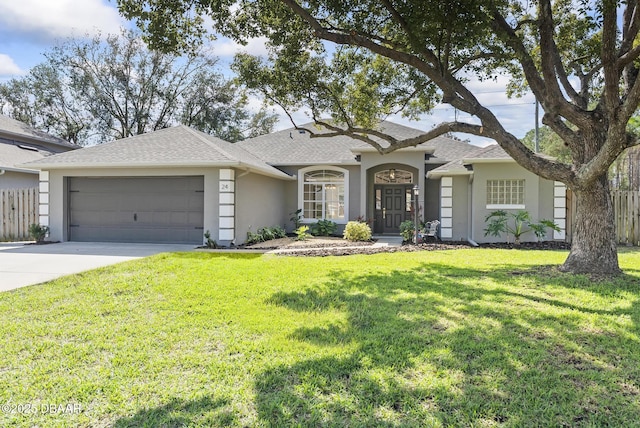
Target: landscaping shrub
(38,232)
(302,233)
(357,231)
(210,243)
(324,228)
(265,234)
(407,230)
(498,223)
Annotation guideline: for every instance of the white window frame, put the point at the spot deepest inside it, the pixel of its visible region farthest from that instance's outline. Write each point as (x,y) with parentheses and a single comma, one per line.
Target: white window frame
(499,206)
(301,183)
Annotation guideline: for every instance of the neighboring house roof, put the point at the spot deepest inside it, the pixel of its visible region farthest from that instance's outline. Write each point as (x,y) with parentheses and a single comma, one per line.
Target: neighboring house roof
(293,147)
(20,143)
(12,155)
(14,129)
(171,147)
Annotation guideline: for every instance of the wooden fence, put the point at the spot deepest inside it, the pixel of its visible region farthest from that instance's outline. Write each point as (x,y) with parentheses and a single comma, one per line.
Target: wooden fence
(626,208)
(19,209)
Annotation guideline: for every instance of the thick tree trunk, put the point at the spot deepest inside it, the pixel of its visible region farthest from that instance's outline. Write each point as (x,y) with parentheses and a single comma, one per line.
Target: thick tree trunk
(593,248)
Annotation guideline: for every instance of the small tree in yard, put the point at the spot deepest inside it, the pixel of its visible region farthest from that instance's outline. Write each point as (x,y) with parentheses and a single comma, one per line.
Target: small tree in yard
(578,57)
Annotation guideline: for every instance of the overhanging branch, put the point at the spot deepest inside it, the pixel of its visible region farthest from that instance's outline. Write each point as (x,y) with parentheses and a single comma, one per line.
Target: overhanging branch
(377,138)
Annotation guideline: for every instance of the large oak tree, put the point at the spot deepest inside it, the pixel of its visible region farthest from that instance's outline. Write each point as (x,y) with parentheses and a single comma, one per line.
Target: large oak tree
(360,60)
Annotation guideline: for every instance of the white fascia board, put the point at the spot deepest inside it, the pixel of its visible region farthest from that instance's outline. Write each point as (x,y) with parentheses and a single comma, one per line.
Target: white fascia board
(470,161)
(345,163)
(429,150)
(262,171)
(24,170)
(440,174)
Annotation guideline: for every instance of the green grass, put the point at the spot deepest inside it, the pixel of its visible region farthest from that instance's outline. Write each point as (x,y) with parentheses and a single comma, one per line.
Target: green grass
(450,338)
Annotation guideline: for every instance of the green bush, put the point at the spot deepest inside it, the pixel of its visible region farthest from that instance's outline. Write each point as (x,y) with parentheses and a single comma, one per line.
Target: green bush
(38,232)
(357,231)
(210,243)
(324,228)
(265,234)
(302,233)
(407,230)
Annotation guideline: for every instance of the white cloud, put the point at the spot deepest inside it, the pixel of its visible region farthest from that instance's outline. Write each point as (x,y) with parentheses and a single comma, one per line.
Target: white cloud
(8,67)
(224,47)
(46,19)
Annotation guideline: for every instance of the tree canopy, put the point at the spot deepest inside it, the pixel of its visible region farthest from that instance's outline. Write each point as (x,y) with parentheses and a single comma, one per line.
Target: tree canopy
(360,60)
(91,91)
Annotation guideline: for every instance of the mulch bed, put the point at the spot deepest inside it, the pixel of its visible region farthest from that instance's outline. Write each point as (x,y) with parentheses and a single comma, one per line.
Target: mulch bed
(329,251)
(546,245)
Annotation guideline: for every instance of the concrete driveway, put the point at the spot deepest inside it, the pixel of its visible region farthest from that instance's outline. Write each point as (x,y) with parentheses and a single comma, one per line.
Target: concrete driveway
(22,264)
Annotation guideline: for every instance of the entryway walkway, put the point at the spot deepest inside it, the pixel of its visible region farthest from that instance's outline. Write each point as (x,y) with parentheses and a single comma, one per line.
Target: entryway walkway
(387,241)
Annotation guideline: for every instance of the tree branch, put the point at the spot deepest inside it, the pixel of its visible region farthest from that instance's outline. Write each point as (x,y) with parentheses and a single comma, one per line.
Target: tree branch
(609,62)
(392,143)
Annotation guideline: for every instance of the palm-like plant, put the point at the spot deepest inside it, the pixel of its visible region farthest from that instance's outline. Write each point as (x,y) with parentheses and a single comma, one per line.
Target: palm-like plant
(498,223)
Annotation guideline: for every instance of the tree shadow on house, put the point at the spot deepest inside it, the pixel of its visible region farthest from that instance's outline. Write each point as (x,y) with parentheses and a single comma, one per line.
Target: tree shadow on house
(204,411)
(430,347)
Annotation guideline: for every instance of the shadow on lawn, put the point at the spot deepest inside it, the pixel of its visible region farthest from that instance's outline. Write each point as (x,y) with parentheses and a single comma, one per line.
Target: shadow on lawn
(179,413)
(431,348)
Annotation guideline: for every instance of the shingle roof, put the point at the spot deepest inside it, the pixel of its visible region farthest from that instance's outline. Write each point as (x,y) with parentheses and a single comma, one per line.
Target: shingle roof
(184,146)
(458,166)
(177,146)
(291,147)
(492,152)
(11,128)
(12,155)
(19,143)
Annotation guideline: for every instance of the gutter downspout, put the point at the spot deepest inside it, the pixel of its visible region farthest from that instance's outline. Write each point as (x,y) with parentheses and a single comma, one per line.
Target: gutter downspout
(470,203)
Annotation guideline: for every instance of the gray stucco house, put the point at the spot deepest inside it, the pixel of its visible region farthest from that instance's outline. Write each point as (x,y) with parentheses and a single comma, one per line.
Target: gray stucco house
(174,184)
(20,143)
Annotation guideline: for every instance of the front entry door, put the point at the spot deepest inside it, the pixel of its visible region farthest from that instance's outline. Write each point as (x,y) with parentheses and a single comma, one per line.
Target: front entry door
(393,206)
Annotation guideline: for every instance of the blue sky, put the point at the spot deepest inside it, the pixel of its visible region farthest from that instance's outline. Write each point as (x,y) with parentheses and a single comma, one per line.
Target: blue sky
(28,28)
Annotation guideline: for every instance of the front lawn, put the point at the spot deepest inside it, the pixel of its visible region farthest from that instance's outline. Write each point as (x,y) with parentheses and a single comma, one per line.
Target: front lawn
(446,338)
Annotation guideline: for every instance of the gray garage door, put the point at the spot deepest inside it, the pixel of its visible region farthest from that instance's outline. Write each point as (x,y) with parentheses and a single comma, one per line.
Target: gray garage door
(136,209)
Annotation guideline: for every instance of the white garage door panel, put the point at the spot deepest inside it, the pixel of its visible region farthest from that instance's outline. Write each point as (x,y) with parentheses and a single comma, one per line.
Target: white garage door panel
(136,209)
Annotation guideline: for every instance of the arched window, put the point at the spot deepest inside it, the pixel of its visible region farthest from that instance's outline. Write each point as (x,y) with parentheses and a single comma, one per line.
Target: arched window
(323,194)
(393,176)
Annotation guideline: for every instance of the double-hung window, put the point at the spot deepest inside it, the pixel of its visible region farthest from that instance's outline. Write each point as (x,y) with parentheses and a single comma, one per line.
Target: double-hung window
(324,194)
